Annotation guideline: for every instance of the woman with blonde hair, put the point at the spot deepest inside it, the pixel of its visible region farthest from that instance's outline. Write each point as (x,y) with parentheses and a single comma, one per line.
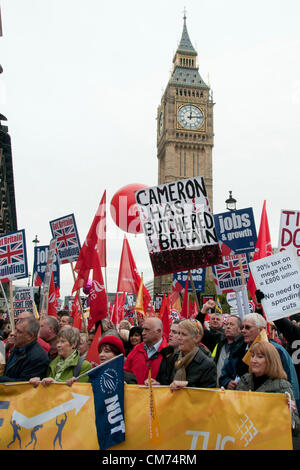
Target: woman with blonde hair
(267,375)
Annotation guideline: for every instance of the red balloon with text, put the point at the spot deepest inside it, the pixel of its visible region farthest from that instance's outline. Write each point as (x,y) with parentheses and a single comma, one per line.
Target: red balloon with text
(124,211)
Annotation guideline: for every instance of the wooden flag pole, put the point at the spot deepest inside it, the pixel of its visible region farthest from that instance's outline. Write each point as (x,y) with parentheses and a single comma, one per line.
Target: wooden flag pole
(11,309)
(5,298)
(79,300)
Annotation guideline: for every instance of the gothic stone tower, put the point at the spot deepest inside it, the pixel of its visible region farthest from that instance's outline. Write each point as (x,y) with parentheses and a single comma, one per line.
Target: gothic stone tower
(184,128)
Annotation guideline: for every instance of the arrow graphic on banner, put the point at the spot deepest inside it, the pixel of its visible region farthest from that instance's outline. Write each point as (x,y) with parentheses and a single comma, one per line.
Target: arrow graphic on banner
(76,403)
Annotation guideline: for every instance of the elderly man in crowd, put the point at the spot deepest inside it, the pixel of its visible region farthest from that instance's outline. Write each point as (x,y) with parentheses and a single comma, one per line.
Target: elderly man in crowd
(230,352)
(253,324)
(65,320)
(215,333)
(147,355)
(49,328)
(27,359)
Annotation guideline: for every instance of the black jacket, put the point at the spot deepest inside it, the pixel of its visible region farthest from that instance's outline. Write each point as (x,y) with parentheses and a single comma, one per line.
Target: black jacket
(201,372)
(32,361)
(210,337)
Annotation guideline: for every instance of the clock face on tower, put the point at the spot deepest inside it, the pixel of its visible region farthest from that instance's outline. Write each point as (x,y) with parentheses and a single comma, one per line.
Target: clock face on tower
(190,117)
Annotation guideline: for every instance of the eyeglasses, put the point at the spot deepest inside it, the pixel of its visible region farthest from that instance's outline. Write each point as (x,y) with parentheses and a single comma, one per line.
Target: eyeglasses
(247,327)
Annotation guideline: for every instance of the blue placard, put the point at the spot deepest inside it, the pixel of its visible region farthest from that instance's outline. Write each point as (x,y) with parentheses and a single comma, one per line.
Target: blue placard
(40,263)
(198,276)
(237,230)
(13,256)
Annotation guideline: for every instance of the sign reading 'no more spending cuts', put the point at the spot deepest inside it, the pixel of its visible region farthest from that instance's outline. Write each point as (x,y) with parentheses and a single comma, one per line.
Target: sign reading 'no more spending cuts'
(178,225)
(278,277)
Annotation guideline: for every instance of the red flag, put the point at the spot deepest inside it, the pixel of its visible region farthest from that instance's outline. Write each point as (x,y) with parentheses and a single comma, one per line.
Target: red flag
(164,315)
(185,302)
(52,301)
(129,279)
(93,354)
(118,309)
(76,314)
(93,250)
(263,247)
(37,280)
(98,299)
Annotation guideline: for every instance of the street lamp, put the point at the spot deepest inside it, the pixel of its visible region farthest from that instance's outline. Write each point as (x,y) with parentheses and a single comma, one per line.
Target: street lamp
(230,203)
(35,241)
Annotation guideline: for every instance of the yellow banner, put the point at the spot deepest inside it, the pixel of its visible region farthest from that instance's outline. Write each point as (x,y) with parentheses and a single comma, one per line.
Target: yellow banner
(61,417)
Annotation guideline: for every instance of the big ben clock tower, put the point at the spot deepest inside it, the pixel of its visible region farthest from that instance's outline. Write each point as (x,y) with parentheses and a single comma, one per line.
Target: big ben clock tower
(184,127)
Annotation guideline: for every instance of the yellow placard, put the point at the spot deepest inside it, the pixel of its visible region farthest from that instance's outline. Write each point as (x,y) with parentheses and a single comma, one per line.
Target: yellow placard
(61,417)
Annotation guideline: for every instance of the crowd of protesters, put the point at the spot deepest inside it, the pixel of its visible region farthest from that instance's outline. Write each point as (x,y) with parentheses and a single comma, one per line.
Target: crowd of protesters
(246,354)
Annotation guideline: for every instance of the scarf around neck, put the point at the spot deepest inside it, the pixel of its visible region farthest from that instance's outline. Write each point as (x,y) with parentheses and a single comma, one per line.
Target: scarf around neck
(63,364)
(182,363)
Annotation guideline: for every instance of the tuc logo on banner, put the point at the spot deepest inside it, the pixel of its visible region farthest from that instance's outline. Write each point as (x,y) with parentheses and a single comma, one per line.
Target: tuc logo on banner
(68,244)
(289,231)
(13,256)
(237,230)
(178,225)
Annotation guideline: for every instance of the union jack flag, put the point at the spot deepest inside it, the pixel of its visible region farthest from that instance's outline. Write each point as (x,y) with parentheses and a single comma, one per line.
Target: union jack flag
(230,270)
(65,237)
(13,258)
(12,253)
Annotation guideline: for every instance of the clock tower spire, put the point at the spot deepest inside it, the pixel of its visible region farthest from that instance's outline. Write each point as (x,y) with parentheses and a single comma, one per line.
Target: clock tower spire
(185,126)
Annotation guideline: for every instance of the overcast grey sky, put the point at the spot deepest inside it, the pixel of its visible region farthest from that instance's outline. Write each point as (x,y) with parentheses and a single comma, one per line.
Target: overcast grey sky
(81,86)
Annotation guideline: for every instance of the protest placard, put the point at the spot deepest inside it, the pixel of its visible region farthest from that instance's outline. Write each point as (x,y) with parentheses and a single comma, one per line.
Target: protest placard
(237,230)
(158,298)
(13,256)
(68,244)
(198,276)
(289,230)
(231,273)
(23,300)
(40,263)
(278,277)
(231,299)
(178,226)
(47,276)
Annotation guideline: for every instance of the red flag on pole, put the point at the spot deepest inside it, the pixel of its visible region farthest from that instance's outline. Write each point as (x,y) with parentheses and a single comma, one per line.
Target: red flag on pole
(164,315)
(263,247)
(52,301)
(93,354)
(129,279)
(93,250)
(98,299)
(76,314)
(185,302)
(118,309)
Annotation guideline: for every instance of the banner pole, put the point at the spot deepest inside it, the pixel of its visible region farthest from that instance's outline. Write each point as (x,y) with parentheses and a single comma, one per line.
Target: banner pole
(79,299)
(241,269)
(11,309)
(5,298)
